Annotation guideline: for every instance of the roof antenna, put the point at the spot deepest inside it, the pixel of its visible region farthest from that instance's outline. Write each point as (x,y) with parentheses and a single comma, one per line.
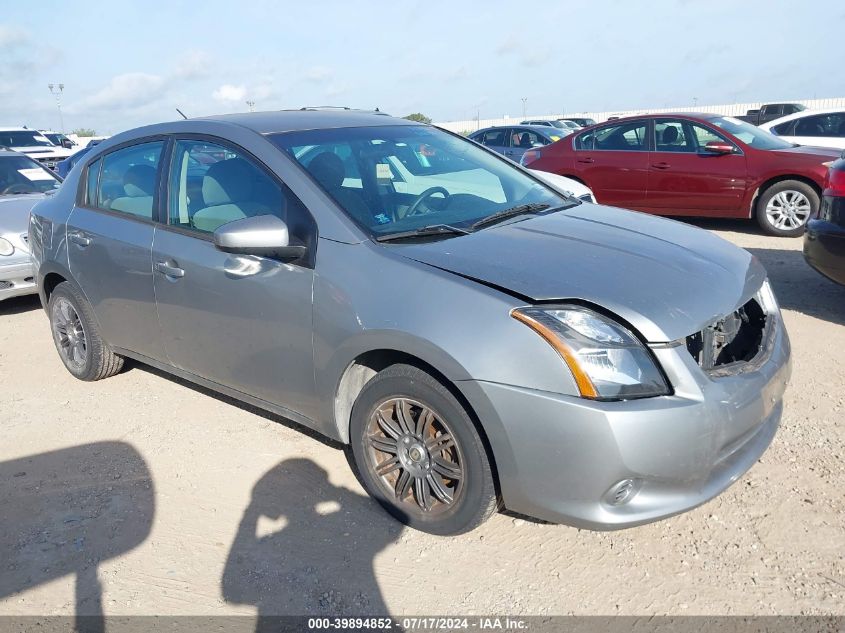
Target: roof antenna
(182,113)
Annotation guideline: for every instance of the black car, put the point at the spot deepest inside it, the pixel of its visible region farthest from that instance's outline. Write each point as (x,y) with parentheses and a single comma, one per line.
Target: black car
(824,241)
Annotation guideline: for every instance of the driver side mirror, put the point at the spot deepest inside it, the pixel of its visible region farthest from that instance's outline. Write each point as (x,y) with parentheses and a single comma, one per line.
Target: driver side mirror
(262,235)
(718,147)
(67,143)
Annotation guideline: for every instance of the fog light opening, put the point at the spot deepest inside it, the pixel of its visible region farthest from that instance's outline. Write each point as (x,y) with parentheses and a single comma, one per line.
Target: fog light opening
(622,492)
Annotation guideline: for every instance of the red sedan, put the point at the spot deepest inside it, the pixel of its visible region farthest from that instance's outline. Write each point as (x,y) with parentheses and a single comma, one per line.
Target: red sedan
(693,165)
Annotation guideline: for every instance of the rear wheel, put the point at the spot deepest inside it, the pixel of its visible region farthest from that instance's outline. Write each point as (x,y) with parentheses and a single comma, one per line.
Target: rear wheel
(77,337)
(419,454)
(784,208)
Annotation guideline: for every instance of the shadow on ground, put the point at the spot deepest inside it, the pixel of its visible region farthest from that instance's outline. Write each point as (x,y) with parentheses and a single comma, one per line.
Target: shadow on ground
(65,512)
(306,547)
(800,288)
(19,305)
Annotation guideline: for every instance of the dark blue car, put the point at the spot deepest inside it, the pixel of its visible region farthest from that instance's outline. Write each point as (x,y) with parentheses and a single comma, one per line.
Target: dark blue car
(63,167)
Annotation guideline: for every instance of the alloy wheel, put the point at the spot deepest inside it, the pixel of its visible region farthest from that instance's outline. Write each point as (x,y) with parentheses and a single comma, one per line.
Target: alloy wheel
(788,210)
(415,456)
(69,334)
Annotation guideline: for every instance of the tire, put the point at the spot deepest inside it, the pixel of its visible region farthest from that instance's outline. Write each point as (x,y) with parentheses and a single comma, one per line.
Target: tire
(77,337)
(418,460)
(785,207)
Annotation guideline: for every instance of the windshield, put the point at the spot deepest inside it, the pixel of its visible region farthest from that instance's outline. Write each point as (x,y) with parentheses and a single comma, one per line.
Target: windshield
(22,138)
(393,179)
(750,134)
(19,174)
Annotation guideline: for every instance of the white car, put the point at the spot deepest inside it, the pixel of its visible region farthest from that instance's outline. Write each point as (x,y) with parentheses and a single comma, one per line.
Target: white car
(34,144)
(820,128)
(566,185)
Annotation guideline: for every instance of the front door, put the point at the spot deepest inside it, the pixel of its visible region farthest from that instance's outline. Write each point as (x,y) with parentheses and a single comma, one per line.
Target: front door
(613,162)
(684,179)
(110,237)
(244,322)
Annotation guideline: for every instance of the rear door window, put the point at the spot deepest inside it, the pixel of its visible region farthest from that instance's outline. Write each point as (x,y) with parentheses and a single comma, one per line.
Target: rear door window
(128,179)
(628,136)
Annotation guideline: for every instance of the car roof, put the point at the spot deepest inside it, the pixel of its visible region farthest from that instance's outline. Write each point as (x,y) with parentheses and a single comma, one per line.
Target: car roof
(278,121)
(6,152)
(15,128)
(800,115)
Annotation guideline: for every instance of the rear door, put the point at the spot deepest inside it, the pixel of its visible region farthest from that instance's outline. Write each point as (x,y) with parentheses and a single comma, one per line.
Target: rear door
(613,162)
(110,237)
(683,179)
(496,139)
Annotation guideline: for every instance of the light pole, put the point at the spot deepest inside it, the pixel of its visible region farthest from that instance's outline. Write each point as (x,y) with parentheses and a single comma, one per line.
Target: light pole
(524,101)
(56,90)
(251,105)
(695,102)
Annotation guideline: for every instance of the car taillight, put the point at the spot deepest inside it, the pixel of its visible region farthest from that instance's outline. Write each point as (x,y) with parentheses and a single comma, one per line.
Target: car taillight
(834,183)
(530,156)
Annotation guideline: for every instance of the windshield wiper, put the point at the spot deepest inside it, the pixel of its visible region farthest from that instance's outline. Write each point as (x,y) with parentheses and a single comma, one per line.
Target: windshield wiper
(504,214)
(431,229)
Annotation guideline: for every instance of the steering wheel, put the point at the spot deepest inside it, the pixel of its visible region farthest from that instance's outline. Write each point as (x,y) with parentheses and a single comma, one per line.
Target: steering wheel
(414,209)
(19,188)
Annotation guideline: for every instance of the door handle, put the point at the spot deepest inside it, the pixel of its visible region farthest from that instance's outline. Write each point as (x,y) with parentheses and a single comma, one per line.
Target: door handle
(586,159)
(170,271)
(78,238)
(661,165)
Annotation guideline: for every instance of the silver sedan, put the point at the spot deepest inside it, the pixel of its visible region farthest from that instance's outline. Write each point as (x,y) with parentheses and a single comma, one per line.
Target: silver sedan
(479,337)
(23,183)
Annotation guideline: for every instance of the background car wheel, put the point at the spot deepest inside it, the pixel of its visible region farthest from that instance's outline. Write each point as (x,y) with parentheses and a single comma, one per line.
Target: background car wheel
(77,337)
(784,208)
(419,454)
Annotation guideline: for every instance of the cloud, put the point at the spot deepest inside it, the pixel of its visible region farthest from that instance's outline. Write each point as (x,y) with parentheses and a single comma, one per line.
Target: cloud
(227,93)
(12,36)
(126,91)
(317,74)
(194,65)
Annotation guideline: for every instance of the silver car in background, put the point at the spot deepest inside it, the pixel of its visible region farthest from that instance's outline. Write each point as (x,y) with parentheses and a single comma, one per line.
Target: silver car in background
(478,338)
(23,183)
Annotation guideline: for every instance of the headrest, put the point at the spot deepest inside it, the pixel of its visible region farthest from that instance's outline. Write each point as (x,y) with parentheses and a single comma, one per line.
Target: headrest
(670,135)
(328,170)
(230,180)
(139,181)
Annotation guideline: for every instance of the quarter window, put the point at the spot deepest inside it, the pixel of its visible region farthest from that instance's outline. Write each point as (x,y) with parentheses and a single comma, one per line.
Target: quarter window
(128,179)
(212,185)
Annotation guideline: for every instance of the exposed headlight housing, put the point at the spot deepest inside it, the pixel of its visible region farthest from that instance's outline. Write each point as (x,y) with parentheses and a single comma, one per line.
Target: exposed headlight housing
(607,361)
(6,247)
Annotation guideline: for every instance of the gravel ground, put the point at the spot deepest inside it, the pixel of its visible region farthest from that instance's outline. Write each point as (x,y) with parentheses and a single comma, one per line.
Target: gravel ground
(151,496)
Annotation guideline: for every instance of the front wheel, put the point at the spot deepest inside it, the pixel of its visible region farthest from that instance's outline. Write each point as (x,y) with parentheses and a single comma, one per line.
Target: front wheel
(419,454)
(784,208)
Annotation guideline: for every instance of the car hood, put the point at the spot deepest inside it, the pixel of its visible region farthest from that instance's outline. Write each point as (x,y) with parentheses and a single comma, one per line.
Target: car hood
(14,212)
(809,151)
(43,150)
(665,278)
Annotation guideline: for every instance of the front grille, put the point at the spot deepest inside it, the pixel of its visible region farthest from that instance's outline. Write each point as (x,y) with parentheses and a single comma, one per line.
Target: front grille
(50,163)
(735,338)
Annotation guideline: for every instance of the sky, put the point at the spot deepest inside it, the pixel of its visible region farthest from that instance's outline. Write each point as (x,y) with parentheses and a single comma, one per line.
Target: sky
(127,63)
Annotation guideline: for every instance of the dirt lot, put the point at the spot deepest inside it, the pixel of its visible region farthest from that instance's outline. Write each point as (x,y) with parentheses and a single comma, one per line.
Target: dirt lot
(154,496)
